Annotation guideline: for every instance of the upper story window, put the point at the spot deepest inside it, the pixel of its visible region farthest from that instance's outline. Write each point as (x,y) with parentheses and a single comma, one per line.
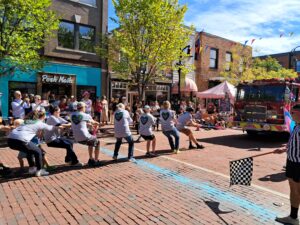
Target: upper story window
(228,59)
(86,2)
(76,36)
(213,58)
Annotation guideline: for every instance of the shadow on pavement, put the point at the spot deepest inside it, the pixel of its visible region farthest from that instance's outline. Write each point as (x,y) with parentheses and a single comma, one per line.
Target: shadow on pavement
(277,177)
(244,141)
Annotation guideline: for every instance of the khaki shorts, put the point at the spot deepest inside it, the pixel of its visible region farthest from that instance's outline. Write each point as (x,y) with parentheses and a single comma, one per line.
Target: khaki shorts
(186,131)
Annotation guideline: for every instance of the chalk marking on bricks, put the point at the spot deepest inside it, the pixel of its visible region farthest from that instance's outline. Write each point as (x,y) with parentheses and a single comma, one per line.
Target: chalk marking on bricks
(207,190)
(212,172)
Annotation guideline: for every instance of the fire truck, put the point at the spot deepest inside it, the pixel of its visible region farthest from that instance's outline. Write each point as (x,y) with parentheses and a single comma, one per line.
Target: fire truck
(260,106)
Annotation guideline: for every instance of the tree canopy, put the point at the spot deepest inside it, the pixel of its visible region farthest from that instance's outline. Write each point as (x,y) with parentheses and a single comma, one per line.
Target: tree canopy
(148,41)
(244,68)
(25,25)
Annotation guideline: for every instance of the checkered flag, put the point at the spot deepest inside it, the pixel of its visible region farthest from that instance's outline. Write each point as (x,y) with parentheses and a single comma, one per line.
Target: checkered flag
(241,171)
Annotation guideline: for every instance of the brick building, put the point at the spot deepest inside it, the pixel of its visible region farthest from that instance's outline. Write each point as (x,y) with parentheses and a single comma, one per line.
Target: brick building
(288,60)
(213,53)
(73,66)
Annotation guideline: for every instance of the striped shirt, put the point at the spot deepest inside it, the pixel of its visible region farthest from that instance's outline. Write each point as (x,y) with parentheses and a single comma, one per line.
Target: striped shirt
(293,146)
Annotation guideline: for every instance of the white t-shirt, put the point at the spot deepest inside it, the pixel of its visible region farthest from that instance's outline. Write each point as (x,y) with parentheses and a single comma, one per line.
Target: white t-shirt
(122,121)
(166,119)
(29,130)
(54,134)
(18,109)
(79,125)
(37,107)
(183,120)
(145,124)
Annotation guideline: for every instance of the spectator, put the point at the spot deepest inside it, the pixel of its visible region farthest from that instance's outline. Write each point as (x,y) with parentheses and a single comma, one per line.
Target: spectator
(104,115)
(37,105)
(98,110)
(88,103)
(18,106)
(72,107)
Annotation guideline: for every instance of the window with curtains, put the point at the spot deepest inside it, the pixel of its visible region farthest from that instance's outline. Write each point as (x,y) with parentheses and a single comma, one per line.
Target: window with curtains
(213,58)
(228,59)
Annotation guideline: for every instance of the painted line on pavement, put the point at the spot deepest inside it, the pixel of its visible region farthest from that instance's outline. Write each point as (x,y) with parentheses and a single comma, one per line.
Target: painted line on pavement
(212,172)
(207,190)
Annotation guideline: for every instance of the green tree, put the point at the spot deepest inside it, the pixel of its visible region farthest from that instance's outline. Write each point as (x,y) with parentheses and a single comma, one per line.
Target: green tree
(245,68)
(24,27)
(148,41)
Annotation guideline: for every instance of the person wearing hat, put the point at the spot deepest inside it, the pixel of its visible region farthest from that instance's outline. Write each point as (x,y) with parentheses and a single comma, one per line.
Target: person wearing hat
(18,106)
(184,120)
(122,130)
(80,121)
(88,103)
(146,123)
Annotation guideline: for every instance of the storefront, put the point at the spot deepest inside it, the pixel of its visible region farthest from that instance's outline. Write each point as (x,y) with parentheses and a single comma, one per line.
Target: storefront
(55,78)
(158,92)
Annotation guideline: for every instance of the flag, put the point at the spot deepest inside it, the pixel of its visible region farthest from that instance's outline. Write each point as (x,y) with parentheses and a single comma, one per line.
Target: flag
(241,171)
(260,38)
(197,45)
(252,41)
(201,48)
(291,34)
(288,120)
(281,35)
(245,43)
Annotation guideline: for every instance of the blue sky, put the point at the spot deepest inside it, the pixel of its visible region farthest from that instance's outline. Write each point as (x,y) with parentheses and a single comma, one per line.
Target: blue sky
(242,20)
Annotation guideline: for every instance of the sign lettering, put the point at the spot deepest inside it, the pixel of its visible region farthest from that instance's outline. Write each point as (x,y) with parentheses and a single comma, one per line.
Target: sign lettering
(61,79)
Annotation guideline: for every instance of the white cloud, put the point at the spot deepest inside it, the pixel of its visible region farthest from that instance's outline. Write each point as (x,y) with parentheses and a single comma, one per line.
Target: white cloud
(242,20)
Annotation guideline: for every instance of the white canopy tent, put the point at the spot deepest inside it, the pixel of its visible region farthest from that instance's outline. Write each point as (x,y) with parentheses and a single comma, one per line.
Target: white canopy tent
(219,91)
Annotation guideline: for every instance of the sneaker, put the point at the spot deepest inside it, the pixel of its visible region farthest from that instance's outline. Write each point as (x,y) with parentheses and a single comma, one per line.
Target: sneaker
(153,154)
(97,163)
(79,164)
(41,172)
(115,157)
(192,147)
(133,160)
(32,170)
(200,147)
(177,151)
(148,154)
(287,220)
(91,162)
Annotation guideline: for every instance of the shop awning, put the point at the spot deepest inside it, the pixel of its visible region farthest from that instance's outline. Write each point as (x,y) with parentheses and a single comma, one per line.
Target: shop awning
(219,91)
(189,86)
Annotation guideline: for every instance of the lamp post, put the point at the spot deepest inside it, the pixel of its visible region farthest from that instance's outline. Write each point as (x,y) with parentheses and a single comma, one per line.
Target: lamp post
(291,57)
(188,47)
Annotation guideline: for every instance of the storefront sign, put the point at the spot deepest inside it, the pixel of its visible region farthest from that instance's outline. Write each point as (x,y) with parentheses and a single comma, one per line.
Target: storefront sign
(58,79)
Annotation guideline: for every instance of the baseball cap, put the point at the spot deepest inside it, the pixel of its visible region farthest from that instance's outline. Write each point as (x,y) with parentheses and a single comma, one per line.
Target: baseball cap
(146,107)
(80,105)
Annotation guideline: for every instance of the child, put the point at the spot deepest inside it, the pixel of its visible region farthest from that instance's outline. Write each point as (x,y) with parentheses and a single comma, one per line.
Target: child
(146,122)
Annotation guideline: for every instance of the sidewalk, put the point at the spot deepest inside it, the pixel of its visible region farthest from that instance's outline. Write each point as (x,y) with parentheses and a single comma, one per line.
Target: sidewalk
(167,189)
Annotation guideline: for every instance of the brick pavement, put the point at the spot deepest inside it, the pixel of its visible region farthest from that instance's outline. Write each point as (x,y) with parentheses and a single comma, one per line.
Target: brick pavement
(153,191)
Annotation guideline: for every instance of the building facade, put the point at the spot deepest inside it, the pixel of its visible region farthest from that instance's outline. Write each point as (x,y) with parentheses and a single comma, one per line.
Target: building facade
(213,55)
(72,65)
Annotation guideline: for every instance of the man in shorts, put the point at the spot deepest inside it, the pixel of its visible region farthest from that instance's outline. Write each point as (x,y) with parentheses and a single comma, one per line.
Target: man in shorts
(184,120)
(293,174)
(146,123)
(80,122)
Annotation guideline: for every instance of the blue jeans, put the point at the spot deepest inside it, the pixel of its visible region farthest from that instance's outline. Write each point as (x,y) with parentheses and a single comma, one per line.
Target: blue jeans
(129,139)
(175,133)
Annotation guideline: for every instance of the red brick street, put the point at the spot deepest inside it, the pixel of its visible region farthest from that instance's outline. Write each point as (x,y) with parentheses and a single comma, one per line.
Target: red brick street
(188,188)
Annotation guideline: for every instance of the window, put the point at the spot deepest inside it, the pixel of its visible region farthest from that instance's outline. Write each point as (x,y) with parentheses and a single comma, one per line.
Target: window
(298,66)
(66,35)
(86,38)
(228,60)
(76,36)
(87,2)
(213,59)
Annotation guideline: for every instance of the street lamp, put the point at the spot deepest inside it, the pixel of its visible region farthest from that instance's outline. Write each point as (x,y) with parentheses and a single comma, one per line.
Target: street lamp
(188,47)
(292,58)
